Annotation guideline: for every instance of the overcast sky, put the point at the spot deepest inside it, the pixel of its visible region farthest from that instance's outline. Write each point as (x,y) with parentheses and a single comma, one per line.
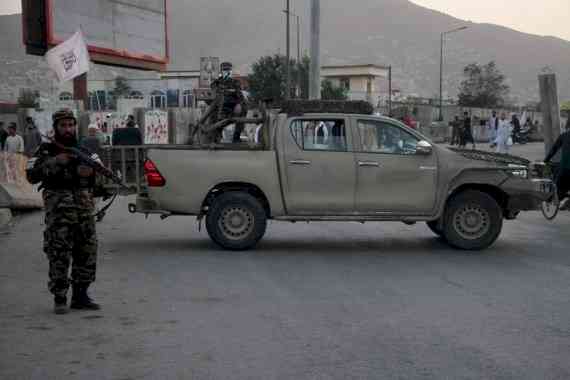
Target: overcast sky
(545,17)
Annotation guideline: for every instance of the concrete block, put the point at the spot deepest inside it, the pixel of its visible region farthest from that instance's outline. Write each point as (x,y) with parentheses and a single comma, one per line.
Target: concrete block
(14,197)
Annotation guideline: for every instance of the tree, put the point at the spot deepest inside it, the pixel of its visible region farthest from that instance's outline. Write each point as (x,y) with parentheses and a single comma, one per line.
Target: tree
(121,90)
(122,87)
(268,78)
(28,98)
(484,86)
(331,92)
(565,106)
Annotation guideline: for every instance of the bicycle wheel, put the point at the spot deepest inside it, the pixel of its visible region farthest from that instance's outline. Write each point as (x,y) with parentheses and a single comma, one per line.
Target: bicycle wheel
(550,208)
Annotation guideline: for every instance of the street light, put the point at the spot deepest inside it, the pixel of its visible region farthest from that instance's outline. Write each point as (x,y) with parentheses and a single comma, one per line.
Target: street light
(289,13)
(441,69)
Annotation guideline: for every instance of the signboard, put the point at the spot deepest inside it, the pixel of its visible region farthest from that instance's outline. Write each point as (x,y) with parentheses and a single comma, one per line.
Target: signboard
(209,71)
(130,33)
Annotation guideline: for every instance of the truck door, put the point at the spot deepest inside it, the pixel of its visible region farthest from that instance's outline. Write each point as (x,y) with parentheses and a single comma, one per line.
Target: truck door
(392,177)
(318,163)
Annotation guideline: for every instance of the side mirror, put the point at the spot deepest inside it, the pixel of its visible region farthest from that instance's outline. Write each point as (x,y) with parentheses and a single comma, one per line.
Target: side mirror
(424,148)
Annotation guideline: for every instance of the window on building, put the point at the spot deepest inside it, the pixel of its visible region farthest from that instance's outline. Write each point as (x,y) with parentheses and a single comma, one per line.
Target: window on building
(173,98)
(97,100)
(157,99)
(65,96)
(135,95)
(345,83)
(314,134)
(187,99)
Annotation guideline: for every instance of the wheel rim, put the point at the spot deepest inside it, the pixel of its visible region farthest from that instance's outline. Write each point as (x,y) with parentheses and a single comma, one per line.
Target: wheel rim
(472,222)
(236,223)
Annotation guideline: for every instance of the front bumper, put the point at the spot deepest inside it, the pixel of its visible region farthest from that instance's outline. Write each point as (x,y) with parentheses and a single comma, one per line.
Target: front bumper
(527,195)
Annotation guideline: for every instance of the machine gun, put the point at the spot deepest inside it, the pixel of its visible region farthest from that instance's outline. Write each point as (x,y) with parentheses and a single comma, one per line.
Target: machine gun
(209,128)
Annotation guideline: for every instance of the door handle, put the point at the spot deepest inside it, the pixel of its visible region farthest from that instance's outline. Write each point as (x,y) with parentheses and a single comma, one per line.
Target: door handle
(368,164)
(300,162)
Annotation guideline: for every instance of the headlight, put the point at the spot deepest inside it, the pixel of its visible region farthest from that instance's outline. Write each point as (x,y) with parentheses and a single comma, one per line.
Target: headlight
(518,170)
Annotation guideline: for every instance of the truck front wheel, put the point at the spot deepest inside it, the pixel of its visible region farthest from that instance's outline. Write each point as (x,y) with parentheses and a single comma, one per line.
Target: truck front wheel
(473,220)
(236,221)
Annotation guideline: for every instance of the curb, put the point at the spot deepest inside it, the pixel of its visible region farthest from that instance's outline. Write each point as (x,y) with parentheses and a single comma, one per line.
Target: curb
(5,217)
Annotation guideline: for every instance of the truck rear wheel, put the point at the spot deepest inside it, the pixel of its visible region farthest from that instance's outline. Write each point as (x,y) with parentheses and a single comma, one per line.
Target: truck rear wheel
(236,221)
(473,220)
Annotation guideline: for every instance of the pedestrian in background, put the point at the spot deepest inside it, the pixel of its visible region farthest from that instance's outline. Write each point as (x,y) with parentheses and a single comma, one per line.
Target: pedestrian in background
(92,143)
(3,136)
(32,137)
(467,132)
(14,142)
(455,130)
(492,126)
(516,127)
(503,135)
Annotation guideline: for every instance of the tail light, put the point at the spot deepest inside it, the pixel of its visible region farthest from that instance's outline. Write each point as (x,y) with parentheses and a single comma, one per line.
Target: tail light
(153,176)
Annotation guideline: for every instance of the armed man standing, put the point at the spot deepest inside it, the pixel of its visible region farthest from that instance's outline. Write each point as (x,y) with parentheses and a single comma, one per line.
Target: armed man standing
(234,103)
(70,237)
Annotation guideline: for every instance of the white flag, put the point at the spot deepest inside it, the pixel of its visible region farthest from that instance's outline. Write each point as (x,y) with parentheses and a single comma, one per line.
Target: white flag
(70,58)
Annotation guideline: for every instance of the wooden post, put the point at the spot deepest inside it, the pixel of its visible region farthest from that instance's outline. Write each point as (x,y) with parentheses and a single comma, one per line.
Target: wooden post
(550,107)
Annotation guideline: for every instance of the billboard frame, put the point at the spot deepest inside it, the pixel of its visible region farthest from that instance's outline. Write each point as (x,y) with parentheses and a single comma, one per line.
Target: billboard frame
(113,56)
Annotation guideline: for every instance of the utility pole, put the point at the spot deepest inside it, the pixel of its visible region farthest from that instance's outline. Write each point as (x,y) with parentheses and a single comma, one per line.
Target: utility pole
(441,69)
(288,63)
(315,72)
(299,63)
(550,107)
(390,91)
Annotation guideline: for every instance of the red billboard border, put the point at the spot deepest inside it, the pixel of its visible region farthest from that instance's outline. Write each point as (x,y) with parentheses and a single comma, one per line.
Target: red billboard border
(162,61)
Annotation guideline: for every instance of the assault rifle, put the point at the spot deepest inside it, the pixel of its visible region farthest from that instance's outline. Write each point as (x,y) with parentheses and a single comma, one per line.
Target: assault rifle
(92,162)
(99,168)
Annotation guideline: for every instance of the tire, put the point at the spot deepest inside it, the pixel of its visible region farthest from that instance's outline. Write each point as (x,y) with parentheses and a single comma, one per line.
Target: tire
(433,226)
(473,220)
(236,221)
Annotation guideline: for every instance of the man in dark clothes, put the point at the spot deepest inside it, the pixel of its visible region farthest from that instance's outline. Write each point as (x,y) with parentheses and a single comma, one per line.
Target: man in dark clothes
(466,133)
(128,136)
(563,176)
(234,103)
(3,136)
(32,137)
(516,127)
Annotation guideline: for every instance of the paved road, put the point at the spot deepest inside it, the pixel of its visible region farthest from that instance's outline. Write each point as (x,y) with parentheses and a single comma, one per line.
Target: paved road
(317,301)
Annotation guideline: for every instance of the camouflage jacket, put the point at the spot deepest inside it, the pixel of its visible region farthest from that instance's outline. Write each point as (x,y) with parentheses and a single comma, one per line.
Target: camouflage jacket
(62,186)
(231,89)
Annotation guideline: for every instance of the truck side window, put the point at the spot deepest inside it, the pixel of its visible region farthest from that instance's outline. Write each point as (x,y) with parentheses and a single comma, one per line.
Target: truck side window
(381,137)
(315,134)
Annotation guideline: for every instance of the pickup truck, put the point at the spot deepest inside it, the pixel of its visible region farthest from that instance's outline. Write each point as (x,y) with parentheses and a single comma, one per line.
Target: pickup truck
(337,167)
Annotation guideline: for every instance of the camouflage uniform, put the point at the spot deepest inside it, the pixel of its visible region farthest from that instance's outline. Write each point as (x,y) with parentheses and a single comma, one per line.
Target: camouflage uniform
(70,236)
(231,90)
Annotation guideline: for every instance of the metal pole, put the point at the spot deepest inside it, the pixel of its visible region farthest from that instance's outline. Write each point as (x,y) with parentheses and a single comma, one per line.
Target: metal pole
(288,63)
(390,91)
(315,73)
(299,63)
(441,80)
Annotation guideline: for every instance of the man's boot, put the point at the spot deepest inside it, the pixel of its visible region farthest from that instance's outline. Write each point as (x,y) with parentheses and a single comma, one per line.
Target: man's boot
(60,305)
(80,300)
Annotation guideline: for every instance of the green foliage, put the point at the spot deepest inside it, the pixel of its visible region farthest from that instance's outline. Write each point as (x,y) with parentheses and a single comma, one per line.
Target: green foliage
(565,106)
(484,86)
(28,98)
(331,92)
(122,87)
(268,78)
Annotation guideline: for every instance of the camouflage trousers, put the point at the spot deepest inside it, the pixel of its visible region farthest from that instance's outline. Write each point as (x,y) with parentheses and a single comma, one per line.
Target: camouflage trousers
(70,240)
